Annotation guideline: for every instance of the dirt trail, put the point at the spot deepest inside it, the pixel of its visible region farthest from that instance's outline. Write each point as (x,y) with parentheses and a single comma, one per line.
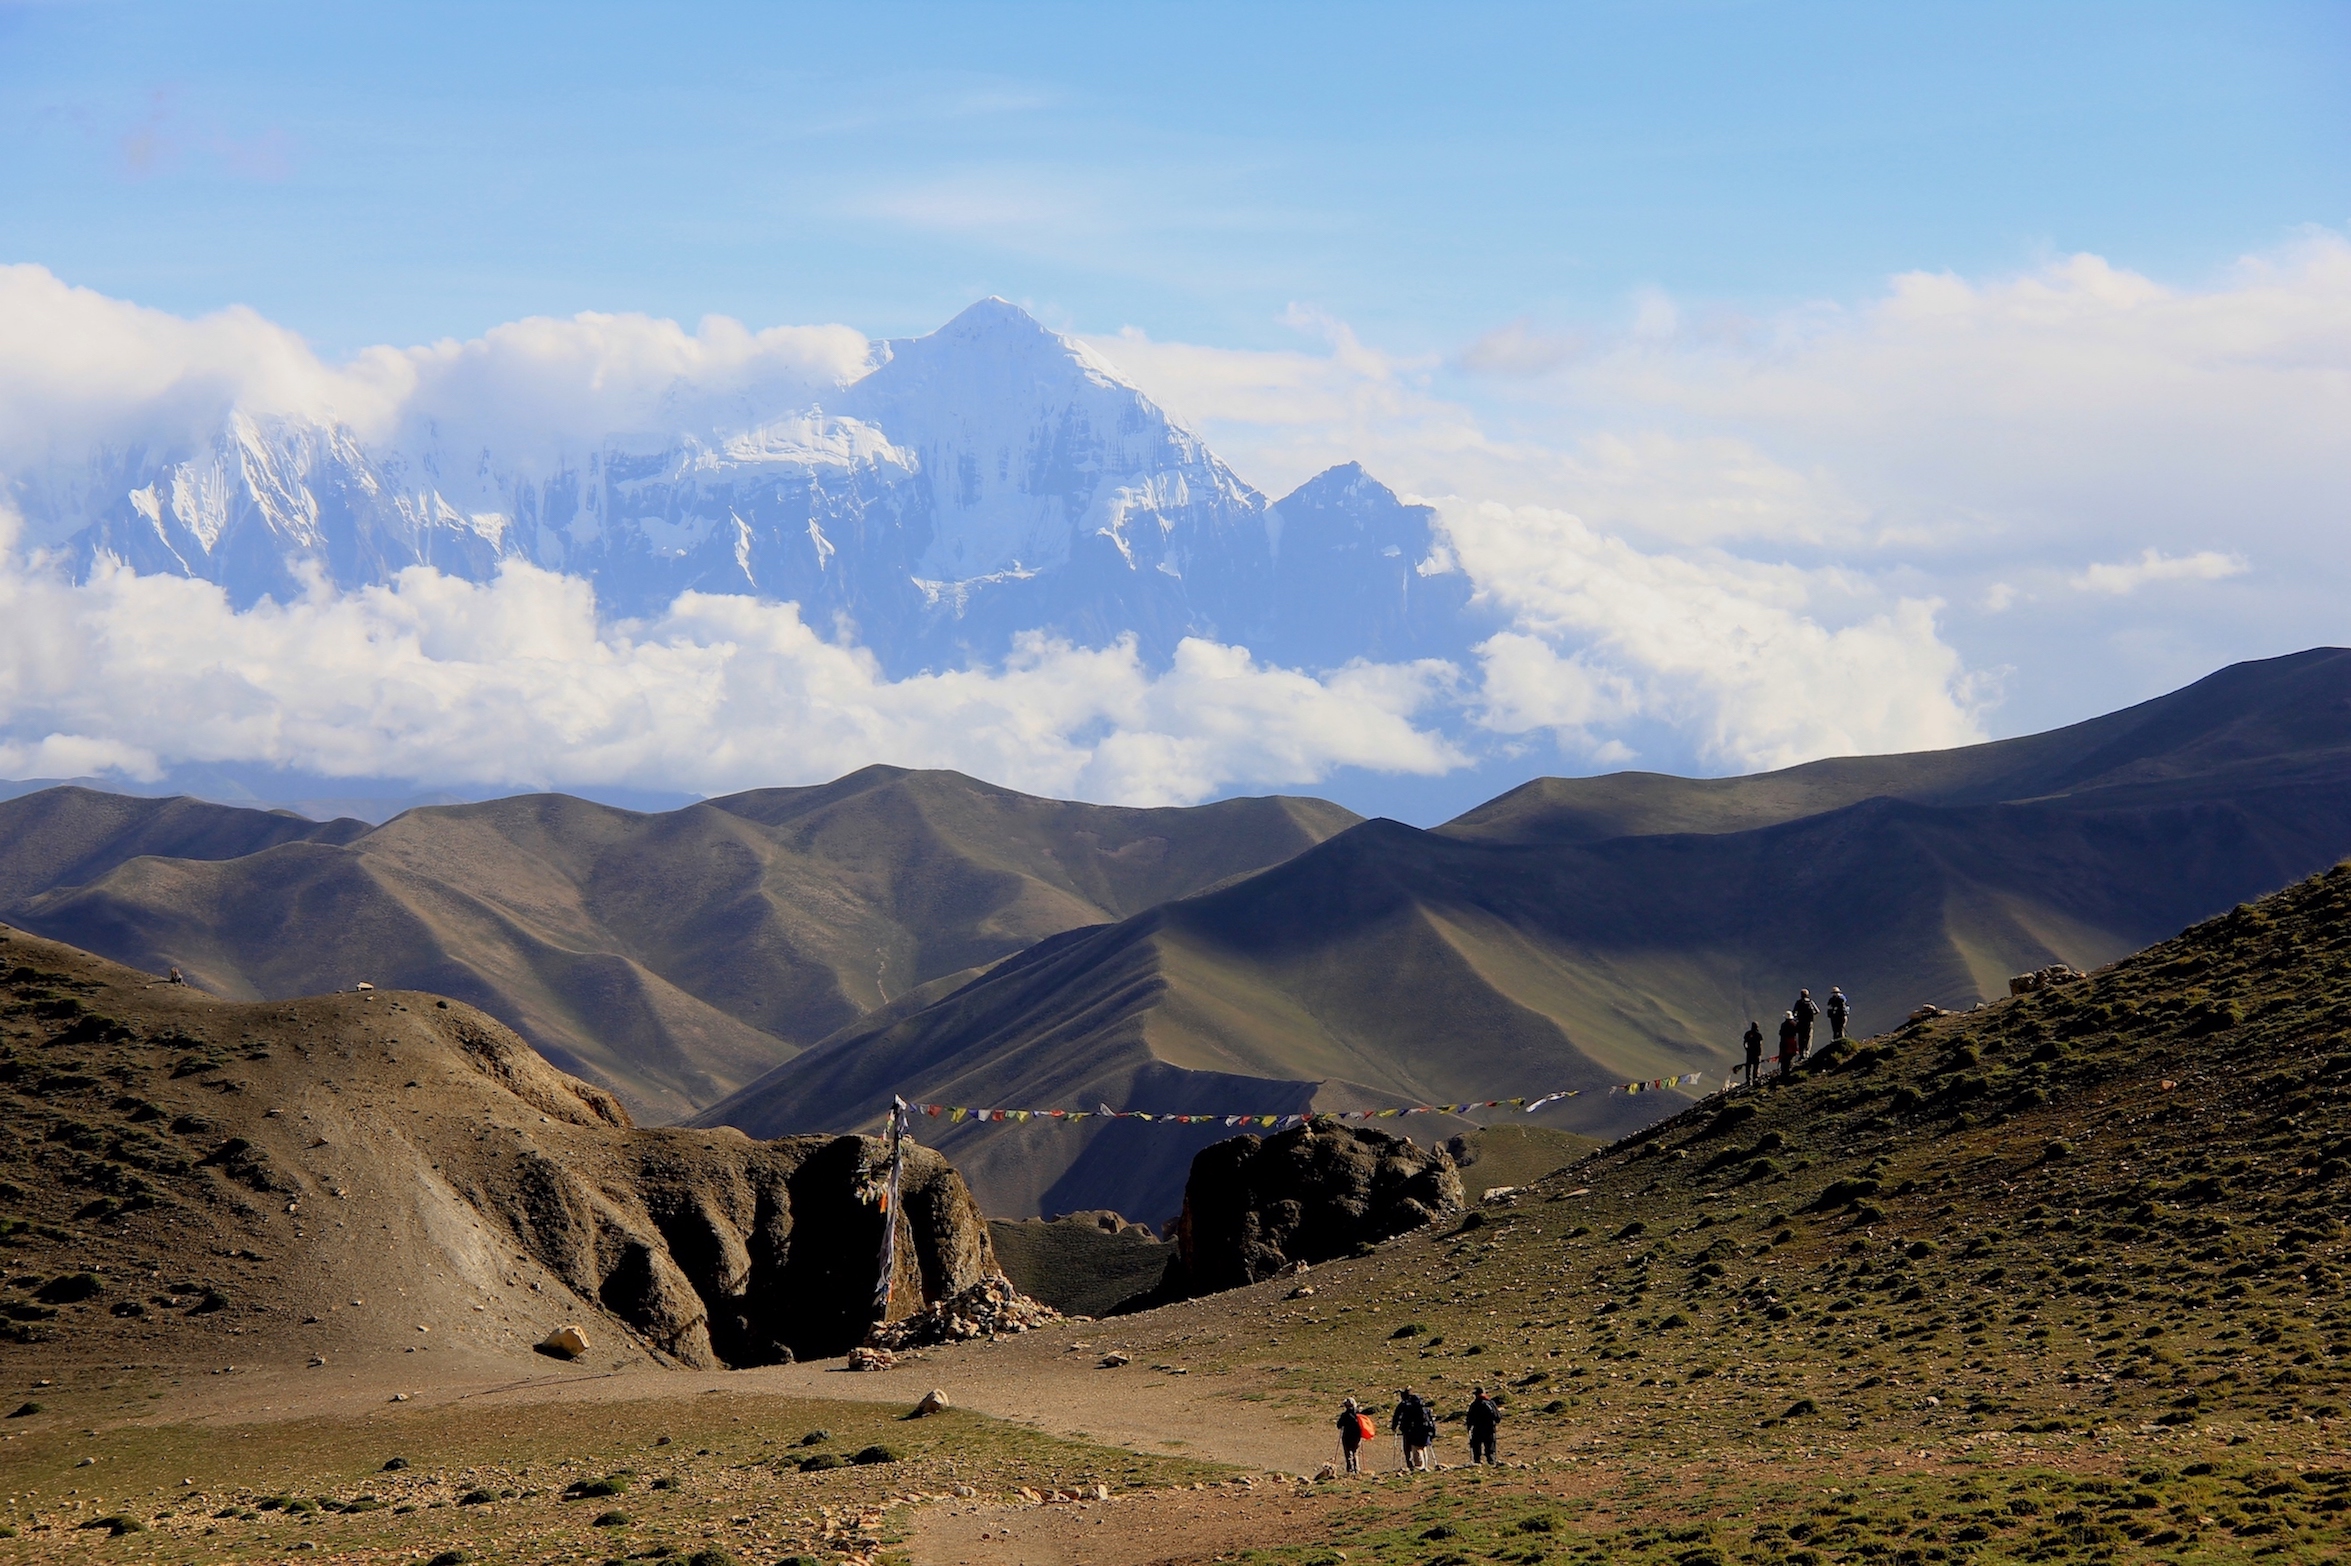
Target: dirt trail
(1136,1530)
(1219,1409)
(1039,1380)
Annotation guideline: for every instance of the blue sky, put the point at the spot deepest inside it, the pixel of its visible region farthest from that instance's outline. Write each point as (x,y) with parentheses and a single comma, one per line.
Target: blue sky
(397,174)
(1797,379)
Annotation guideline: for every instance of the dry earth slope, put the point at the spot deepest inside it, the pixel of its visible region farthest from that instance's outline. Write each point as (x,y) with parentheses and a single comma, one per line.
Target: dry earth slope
(185,1180)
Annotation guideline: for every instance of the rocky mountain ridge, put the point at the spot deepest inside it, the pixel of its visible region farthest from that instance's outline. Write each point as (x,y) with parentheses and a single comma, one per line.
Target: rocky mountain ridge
(990,479)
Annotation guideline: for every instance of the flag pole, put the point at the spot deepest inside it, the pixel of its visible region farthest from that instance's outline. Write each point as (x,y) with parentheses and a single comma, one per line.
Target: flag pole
(883,1285)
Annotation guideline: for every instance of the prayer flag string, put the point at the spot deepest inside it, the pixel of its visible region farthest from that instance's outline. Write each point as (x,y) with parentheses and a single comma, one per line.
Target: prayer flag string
(960,1114)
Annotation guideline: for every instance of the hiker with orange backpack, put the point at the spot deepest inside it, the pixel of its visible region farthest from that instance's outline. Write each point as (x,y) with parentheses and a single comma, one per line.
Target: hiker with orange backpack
(1355,1428)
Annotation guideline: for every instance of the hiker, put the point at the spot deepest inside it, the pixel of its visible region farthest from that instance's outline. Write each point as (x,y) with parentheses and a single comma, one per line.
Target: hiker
(1483,1419)
(1415,1428)
(1754,1043)
(1839,1009)
(1788,1037)
(1806,1010)
(1354,1430)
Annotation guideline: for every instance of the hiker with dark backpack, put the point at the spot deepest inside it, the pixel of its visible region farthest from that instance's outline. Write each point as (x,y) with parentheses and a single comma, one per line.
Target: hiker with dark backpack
(1839,1009)
(1484,1419)
(1415,1426)
(1354,1430)
(1807,1010)
(1754,1043)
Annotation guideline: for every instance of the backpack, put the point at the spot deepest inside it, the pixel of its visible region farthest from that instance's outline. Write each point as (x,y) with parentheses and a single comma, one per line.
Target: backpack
(1363,1428)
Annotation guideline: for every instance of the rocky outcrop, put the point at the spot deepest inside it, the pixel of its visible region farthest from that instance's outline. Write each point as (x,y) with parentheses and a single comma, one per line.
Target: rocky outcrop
(1255,1205)
(720,1250)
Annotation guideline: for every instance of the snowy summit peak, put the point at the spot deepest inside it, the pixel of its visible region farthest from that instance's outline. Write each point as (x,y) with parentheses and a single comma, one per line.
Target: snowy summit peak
(993,315)
(987,342)
(1036,453)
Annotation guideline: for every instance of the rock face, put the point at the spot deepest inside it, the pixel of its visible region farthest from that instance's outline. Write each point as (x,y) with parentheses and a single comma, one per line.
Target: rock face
(721,1250)
(1255,1205)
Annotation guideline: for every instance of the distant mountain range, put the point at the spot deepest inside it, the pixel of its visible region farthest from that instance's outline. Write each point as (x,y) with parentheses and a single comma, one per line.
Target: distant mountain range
(672,957)
(990,479)
(787,959)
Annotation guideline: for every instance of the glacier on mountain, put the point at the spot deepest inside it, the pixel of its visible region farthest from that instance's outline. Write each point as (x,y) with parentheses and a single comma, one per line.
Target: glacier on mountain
(990,479)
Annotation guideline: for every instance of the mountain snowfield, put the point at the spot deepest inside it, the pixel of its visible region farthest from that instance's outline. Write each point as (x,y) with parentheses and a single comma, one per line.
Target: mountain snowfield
(986,481)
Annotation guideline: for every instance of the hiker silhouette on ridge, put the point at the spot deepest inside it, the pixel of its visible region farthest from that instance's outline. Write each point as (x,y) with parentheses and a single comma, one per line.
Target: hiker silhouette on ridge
(1806,1010)
(1754,1043)
(1839,1009)
(1788,1037)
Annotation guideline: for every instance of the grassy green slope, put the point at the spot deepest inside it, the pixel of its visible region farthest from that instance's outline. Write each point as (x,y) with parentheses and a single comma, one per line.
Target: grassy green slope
(2061,1279)
(671,957)
(1515,1155)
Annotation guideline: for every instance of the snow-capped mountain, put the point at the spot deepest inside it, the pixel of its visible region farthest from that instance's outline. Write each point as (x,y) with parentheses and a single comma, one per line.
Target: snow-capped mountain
(988,479)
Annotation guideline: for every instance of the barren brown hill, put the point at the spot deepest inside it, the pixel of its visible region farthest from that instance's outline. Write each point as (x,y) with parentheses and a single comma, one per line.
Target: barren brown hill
(194,1181)
(669,957)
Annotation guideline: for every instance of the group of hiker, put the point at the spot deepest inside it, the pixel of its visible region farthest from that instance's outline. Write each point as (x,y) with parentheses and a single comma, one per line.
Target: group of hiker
(1415,1425)
(1414,1422)
(1796,1031)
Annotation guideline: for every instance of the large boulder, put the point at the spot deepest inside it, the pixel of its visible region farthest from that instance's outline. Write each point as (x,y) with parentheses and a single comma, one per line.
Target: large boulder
(1256,1205)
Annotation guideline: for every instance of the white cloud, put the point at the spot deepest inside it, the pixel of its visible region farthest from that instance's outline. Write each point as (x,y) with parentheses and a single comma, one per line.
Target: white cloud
(2020,416)
(2153,565)
(1281,416)
(1732,654)
(80,370)
(514,683)
(1516,349)
(1947,419)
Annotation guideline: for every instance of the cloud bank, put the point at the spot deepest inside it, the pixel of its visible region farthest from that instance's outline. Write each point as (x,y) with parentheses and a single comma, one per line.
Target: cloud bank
(1713,542)
(515,683)
(79,370)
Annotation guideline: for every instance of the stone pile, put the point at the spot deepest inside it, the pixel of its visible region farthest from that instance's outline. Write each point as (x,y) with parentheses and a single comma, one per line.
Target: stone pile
(2042,978)
(989,1307)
